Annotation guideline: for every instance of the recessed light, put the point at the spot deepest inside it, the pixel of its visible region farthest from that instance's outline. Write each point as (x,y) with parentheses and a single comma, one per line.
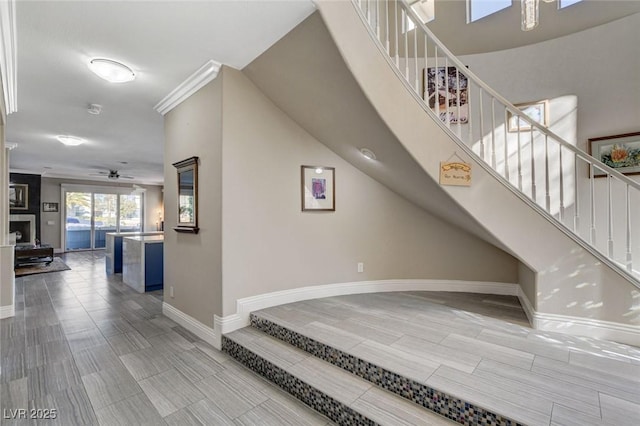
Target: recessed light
(367,153)
(112,71)
(70,140)
(94,109)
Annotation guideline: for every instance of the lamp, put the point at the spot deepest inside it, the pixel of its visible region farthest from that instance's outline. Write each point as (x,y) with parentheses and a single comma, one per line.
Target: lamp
(112,71)
(530,10)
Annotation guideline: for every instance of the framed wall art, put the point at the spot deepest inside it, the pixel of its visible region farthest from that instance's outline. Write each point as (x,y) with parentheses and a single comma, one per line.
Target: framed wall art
(537,111)
(50,207)
(451,99)
(620,152)
(318,188)
(18,196)
(187,171)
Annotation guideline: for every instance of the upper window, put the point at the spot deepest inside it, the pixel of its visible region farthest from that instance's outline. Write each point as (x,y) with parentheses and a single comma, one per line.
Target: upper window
(565,3)
(478,9)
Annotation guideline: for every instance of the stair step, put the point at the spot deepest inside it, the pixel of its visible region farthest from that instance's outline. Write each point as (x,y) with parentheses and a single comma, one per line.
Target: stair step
(343,397)
(384,367)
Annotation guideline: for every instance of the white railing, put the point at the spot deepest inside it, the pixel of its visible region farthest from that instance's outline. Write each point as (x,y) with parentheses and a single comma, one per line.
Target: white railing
(563,182)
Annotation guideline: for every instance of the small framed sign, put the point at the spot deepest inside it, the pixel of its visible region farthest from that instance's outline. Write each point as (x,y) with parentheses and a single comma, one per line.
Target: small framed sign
(455,173)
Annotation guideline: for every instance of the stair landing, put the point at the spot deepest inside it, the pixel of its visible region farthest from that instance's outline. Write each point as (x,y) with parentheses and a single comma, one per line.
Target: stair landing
(487,358)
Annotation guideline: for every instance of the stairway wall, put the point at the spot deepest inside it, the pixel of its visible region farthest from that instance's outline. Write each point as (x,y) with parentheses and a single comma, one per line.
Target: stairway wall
(570,282)
(589,79)
(270,245)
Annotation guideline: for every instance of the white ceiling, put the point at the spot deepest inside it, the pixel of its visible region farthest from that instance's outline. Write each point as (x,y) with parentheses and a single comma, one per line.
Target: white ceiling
(502,29)
(165,42)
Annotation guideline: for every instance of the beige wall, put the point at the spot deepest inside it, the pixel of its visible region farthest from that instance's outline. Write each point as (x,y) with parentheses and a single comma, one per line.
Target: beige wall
(569,279)
(527,280)
(50,191)
(270,245)
(193,262)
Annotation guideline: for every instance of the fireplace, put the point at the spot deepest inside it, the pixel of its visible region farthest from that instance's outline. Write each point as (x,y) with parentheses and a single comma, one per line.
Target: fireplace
(24,227)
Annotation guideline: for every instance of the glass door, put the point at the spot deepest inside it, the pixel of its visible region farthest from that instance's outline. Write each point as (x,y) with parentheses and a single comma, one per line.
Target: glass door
(105,218)
(78,206)
(130,213)
(91,215)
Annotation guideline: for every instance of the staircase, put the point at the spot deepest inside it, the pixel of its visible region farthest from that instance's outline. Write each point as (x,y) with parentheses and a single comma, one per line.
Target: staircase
(551,175)
(566,216)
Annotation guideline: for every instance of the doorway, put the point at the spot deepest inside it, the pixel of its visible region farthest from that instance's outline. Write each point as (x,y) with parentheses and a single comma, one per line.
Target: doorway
(90,215)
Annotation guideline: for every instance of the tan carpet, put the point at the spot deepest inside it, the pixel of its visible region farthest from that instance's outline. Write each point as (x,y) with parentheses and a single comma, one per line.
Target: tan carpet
(42,268)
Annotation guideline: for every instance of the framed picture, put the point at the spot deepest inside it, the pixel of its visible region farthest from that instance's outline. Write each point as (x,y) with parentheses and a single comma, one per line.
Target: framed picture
(620,152)
(318,188)
(450,89)
(537,111)
(18,196)
(50,207)
(187,203)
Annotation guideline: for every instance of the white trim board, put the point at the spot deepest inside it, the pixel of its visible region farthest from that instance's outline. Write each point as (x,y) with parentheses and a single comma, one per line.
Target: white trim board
(9,55)
(246,305)
(578,326)
(193,325)
(7,311)
(598,329)
(191,85)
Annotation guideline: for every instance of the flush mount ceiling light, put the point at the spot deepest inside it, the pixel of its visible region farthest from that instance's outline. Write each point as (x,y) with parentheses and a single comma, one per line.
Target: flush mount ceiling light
(70,140)
(112,71)
(367,153)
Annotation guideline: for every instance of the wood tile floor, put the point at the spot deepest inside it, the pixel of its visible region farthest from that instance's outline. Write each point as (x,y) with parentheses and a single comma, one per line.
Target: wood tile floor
(484,353)
(87,346)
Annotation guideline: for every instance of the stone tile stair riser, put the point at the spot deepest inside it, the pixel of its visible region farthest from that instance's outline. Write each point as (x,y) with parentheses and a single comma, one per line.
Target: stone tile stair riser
(429,398)
(311,396)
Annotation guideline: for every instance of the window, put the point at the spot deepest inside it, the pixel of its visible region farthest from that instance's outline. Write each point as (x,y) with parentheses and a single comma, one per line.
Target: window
(478,9)
(425,11)
(566,3)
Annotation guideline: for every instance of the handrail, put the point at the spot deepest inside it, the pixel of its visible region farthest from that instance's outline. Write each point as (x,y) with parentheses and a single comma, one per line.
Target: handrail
(390,27)
(510,106)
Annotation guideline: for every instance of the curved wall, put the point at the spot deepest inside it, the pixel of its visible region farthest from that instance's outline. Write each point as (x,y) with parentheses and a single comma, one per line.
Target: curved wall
(570,281)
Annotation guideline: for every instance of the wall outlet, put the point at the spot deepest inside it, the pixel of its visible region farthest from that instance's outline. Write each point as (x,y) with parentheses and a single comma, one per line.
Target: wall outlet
(171,291)
(360,267)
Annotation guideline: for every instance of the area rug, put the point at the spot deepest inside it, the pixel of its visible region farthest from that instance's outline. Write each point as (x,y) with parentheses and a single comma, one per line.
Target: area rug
(42,268)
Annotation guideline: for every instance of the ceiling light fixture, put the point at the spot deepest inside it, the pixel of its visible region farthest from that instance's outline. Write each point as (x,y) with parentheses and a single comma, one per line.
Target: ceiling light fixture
(530,10)
(70,140)
(367,153)
(112,71)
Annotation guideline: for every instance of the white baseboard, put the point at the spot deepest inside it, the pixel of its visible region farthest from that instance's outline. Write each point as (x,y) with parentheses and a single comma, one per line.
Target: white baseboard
(7,311)
(193,325)
(595,328)
(578,326)
(623,333)
(527,306)
(247,305)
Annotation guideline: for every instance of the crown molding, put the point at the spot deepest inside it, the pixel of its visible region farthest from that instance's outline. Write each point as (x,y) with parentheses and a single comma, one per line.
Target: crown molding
(9,54)
(192,84)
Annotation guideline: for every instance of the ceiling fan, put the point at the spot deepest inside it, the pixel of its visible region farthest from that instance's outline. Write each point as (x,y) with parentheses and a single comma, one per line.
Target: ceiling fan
(112,174)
